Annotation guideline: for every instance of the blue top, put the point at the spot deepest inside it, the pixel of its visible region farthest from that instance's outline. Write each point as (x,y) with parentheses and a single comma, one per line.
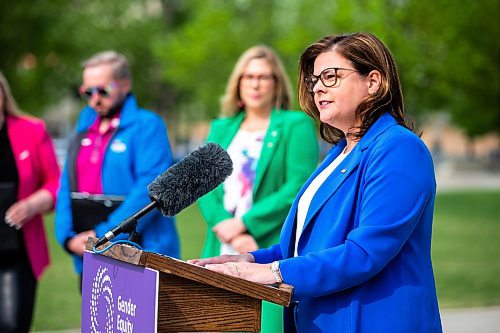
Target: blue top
(364,261)
(144,154)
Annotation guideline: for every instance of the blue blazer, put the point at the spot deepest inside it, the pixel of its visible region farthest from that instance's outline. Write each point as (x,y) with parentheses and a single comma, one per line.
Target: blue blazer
(364,261)
(137,153)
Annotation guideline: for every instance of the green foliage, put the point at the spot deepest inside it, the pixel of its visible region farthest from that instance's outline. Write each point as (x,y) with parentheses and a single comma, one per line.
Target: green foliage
(182,52)
(42,44)
(449,61)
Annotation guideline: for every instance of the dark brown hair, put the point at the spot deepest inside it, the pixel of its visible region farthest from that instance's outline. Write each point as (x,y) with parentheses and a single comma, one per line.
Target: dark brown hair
(367,53)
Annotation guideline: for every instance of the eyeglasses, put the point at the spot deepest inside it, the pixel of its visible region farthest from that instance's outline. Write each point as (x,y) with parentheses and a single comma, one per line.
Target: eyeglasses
(328,77)
(88,92)
(247,78)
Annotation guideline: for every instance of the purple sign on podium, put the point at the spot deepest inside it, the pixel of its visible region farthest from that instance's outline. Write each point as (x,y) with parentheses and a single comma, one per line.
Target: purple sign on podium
(117,296)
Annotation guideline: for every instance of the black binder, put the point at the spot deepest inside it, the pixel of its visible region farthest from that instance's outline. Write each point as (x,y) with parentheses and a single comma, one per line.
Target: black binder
(90,209)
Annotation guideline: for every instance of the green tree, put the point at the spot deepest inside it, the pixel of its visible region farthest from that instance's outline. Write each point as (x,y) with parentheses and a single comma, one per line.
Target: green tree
(42,44)
(182,52)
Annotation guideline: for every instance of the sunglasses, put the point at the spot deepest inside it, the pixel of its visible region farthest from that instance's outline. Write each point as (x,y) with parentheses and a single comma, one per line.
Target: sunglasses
(88,92)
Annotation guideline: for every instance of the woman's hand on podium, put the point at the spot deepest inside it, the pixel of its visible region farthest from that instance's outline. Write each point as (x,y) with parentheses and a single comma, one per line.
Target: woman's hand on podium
(245,257)
(242,266)
(259,273)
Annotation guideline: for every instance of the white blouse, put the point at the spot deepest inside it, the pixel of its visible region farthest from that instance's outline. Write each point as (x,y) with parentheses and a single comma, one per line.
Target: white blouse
(244,151)
(310,192)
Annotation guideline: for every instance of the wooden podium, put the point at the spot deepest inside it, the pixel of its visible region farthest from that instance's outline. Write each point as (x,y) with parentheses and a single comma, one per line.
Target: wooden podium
(191,298)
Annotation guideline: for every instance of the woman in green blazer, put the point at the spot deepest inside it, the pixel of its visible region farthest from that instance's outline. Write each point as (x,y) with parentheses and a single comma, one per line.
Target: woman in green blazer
(274,151)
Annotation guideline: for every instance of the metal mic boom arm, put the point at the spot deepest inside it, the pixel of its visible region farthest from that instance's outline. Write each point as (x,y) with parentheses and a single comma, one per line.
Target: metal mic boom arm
(127,225)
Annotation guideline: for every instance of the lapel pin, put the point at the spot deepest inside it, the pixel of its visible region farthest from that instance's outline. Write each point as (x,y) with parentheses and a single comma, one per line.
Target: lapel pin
(24,155)
(343,170)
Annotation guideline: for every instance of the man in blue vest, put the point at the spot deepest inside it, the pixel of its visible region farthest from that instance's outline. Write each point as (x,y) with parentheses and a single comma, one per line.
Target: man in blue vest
(117,150)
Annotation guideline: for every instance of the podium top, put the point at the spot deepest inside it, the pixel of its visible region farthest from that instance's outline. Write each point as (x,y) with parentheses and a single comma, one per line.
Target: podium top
(280,294)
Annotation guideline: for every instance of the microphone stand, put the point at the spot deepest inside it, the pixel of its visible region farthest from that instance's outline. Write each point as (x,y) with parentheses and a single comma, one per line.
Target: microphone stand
(127,226)
(134,236)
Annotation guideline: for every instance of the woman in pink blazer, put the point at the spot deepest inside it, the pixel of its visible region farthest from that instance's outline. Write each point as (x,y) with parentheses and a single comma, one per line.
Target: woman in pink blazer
(29,179)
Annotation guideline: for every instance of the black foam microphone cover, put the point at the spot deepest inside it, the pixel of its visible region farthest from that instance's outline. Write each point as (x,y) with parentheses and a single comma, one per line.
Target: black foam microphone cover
(195,175)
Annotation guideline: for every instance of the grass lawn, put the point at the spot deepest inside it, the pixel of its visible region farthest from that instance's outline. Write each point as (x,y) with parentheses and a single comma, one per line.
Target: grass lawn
(466,248)
(466,256)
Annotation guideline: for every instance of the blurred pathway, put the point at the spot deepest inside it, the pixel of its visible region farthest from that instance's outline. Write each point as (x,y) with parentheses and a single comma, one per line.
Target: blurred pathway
(475,320)
(450,178)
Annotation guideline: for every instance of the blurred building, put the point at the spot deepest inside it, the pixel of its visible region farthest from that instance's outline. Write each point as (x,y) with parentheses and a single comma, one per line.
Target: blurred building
(447,142)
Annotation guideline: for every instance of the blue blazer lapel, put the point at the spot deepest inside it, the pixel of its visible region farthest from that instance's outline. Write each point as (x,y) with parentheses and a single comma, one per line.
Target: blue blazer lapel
(332,154)
(344,169)
(287,237)
(333,182)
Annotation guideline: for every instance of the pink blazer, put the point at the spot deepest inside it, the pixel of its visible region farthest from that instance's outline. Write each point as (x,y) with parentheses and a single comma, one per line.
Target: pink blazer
(37,168)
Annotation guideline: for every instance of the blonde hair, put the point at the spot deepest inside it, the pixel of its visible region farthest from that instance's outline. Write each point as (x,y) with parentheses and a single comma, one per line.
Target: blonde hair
(9,103)
(118,62)
(230,102)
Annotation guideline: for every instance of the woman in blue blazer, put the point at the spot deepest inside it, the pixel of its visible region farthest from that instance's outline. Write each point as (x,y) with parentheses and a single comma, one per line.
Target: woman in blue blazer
(356,243)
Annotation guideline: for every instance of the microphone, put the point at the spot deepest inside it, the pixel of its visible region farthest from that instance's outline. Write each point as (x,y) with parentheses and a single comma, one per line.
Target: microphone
(181,185)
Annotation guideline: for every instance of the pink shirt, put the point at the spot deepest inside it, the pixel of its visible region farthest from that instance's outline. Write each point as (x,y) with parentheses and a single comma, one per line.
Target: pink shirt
(91,156)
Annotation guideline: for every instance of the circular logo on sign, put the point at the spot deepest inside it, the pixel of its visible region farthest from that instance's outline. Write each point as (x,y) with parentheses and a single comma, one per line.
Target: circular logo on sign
(101,304)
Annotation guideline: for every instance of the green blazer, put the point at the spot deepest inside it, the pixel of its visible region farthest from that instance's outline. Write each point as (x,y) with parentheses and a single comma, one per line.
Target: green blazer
(289,156)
